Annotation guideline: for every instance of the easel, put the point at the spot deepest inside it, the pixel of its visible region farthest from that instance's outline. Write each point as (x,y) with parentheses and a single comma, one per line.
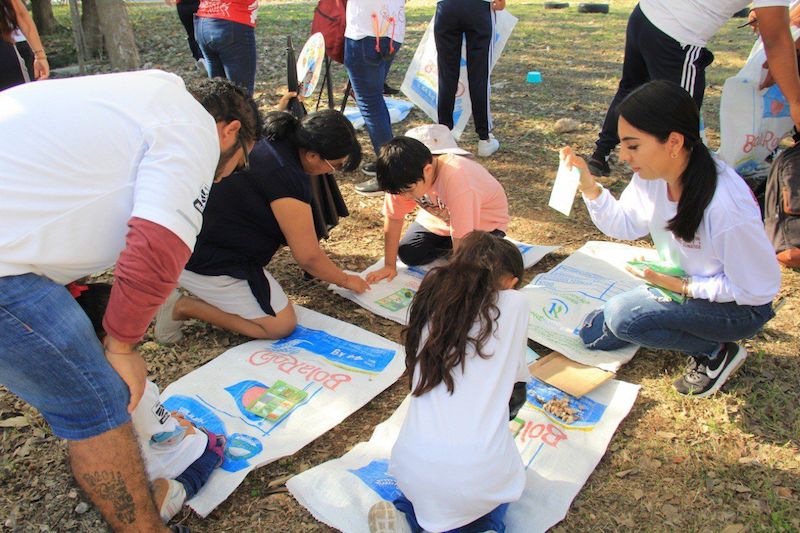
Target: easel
(327,84)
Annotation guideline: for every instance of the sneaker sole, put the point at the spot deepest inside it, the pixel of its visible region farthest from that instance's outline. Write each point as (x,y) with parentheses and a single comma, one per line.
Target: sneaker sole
(733,366)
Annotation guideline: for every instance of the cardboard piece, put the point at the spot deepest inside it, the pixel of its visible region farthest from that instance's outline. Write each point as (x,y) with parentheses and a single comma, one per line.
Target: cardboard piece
(574,378)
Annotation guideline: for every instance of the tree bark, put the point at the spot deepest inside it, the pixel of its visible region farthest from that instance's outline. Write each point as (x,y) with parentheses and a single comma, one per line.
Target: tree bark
(92,36)
(118,35)
(43,16)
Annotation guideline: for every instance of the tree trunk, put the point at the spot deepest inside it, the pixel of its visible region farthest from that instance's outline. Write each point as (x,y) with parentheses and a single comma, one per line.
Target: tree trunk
(92,36)
(43,16)
(118,35)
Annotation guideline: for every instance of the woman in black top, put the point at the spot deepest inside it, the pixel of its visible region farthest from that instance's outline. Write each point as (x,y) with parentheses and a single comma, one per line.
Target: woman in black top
(249,216)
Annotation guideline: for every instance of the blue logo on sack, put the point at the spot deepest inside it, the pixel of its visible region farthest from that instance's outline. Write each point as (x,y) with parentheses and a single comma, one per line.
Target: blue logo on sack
(340,352)
(375,475)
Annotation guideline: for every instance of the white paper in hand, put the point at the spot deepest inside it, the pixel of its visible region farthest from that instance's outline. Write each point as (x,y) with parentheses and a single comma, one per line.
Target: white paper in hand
(564,188)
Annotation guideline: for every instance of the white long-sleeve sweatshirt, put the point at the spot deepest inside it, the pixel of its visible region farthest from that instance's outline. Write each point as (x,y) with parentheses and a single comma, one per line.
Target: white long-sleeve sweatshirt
(730,258)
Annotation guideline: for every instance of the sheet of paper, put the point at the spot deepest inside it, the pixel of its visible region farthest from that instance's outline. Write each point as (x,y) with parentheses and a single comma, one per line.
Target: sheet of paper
(564,189)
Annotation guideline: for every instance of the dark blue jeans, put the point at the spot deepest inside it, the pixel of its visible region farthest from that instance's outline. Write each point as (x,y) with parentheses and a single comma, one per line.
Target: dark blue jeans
(229,49)
(697,327)
(367,69)
(494,521)
(420,246)
(194,477)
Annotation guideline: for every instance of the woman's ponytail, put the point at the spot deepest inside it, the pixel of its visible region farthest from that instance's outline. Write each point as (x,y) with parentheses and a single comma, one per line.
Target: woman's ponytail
(699,182)
(281,126)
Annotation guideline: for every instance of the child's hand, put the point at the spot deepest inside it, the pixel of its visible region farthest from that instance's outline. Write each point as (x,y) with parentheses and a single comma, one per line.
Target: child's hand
(283,103)
(388,273)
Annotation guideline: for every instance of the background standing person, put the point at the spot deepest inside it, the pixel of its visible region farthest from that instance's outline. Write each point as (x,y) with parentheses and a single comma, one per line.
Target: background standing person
(186,10)
(474,20)
(16,25)
(226,33)
(705,224)
(666,39)
(373,35)
(154,150)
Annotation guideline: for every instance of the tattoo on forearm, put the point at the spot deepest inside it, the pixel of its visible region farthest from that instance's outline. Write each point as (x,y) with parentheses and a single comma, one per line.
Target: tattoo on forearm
(111,486)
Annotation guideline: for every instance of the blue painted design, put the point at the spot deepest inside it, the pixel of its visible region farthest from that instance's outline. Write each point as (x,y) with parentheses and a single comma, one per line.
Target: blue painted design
(426,92)
(524,247)
(589,411)
(375,475)
(240,447)
(341,352)
(775,104)
(557,308)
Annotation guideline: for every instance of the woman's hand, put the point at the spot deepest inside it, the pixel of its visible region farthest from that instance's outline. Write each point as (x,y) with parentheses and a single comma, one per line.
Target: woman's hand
(283,103)
(355,284)
(41,68)
(587,184)
(388,273)
(665,281)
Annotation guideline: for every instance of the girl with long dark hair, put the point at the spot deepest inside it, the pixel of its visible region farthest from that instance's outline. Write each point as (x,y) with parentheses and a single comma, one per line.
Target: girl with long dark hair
(706,226)
(249,217)
(455,460)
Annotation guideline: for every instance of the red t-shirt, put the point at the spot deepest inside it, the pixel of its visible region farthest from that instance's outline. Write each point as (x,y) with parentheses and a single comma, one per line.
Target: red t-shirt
(241,11)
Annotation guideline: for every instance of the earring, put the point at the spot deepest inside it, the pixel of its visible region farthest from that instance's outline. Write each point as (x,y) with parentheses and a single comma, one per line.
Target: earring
(674,155)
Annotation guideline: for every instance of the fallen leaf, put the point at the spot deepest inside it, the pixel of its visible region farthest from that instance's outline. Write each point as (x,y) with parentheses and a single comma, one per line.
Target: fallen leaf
(15,422)
(666,435)
(784,492)
(733,528)
(638,494)
(624,473)
(741,489)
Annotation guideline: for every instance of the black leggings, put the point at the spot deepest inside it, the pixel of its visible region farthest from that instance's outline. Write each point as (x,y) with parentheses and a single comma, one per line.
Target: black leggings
(420,246)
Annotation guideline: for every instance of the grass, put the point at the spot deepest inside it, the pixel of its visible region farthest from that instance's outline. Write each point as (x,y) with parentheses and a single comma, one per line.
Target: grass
(729,463)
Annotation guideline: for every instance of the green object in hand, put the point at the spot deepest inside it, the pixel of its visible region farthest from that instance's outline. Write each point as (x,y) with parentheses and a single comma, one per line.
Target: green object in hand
(662,268)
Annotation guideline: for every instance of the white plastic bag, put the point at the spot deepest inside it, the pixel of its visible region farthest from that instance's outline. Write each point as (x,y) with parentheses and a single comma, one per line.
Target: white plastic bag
(752,121)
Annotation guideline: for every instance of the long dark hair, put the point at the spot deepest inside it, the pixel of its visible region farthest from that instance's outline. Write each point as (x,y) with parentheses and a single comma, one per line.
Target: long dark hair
(659,108)
(8,20)
(325,132)
(450,300)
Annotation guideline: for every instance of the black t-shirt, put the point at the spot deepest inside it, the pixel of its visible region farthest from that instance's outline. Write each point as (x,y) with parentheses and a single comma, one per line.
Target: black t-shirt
(240,233)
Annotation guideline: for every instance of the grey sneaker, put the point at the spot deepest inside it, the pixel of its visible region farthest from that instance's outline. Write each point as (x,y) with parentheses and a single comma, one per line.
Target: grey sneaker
(701,381)
(369,169)
(168,330)
(369,188)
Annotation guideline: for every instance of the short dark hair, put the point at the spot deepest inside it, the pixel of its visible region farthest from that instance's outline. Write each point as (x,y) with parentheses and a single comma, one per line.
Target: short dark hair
(400,163)
(227,101)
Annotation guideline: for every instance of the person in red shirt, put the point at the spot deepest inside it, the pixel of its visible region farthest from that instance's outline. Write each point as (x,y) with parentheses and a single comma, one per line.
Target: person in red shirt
(226,33)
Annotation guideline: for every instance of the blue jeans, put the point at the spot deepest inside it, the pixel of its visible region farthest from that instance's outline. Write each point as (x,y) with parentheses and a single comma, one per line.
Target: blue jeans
(51,358)
(367,69)
(196,475)
(697,327)
(229,48)
(492,521)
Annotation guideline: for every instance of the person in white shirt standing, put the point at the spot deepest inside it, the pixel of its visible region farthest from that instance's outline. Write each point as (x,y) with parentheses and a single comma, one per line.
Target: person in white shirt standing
(455,460)
(703,220)
(666,39)
(98,171)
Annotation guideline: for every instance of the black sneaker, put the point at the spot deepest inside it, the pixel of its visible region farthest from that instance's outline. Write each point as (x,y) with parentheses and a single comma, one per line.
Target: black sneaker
(369,169)
(369,188)
(701,380)
(598,165)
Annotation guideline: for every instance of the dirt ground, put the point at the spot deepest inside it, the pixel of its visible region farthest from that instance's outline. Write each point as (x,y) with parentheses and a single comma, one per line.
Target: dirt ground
(730,463)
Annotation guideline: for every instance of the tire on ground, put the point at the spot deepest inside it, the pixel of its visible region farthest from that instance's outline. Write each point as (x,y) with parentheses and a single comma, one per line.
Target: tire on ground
(592,8)
(556,5)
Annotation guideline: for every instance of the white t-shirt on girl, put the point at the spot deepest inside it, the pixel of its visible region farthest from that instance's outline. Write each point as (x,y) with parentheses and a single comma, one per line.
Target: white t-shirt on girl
(391,19)
(730,258)
(167,447)
(455,458)
(695,21)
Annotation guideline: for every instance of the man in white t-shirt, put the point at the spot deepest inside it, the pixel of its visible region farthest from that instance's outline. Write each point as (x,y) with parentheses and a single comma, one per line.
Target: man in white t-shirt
(666,39)
(97,171)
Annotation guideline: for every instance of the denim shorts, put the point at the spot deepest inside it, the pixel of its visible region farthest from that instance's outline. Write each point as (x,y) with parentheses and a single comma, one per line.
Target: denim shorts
(51,358)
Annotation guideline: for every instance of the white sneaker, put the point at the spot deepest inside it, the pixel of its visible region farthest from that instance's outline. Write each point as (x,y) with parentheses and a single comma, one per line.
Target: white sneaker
(488,147)
(168,330)
(201,65)
(172,500)
(385,518)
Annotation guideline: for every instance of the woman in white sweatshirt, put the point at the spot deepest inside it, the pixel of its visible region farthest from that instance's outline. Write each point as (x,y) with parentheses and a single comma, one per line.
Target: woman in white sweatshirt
(705,224)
